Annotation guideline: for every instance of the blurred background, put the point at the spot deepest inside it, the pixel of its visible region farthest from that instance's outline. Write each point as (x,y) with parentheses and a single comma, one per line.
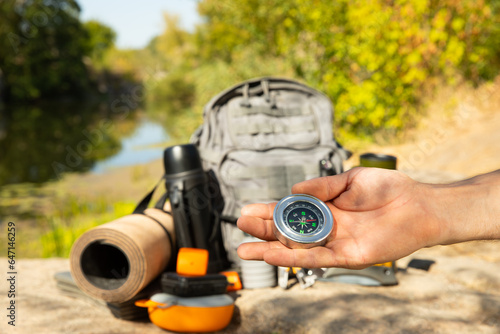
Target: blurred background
(91,92)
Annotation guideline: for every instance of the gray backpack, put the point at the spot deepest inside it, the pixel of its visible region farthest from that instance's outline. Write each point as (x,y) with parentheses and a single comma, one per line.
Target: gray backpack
(262,136)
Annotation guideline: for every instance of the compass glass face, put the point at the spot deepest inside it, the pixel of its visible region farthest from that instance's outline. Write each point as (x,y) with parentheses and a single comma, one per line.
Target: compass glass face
(303,218)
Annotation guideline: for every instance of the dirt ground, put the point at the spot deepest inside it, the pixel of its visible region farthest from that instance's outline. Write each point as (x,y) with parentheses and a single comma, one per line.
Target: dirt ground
(459,294)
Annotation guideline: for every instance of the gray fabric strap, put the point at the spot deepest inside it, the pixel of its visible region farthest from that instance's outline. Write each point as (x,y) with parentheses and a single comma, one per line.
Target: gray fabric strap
(261,127)
(262,172)
(251,128)
(255,194)
(270,110)
(246,194)
(279,183)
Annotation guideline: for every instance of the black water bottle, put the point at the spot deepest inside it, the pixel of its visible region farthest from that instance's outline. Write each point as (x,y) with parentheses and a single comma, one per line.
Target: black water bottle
(186,184)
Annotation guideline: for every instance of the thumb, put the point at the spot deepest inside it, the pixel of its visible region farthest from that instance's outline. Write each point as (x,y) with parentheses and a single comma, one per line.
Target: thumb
(324,188)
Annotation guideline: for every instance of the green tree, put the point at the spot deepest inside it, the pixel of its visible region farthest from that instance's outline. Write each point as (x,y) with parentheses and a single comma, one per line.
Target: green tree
(100,39)
(173,43)
(42,44)
(170,83)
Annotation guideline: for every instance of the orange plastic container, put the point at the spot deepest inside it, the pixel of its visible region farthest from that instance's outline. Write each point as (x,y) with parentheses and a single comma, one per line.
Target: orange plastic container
(190,314)
(192,261)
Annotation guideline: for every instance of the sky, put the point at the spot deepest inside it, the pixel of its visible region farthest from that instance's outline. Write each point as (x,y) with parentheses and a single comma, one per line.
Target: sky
(136,22)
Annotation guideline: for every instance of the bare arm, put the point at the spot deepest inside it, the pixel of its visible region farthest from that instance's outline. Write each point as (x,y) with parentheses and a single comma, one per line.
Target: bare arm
(381,215)
(467,210)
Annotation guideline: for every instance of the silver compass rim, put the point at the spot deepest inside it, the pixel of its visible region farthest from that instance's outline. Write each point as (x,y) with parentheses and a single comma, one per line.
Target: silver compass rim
(285,232)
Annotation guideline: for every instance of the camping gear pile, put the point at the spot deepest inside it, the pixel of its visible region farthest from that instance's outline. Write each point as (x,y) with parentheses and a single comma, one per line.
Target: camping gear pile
(170,262)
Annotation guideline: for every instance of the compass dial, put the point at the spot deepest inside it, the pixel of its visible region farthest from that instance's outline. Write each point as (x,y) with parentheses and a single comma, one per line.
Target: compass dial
(303,217)
(302,221)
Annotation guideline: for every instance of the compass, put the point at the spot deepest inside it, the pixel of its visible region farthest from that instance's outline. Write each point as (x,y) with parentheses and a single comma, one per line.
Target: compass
(302,221)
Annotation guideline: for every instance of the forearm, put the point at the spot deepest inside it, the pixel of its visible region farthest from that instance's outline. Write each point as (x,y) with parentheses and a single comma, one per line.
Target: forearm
(465,210)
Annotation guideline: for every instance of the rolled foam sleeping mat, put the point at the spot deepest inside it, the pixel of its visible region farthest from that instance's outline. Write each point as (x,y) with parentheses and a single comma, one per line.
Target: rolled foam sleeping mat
(116,260)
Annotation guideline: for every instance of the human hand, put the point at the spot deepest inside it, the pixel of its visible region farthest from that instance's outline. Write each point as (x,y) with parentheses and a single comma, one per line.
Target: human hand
(378,213)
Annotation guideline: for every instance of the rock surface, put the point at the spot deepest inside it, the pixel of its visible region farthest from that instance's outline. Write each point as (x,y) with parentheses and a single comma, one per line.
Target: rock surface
(459,294)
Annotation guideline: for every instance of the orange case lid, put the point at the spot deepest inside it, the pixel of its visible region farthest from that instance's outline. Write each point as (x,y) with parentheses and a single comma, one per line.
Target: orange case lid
(192,261)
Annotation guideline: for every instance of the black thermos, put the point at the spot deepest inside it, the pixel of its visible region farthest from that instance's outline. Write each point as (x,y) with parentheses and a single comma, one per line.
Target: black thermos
(186,184)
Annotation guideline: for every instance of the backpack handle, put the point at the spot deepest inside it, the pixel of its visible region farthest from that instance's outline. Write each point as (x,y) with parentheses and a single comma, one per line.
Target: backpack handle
(256,86)
(246,99)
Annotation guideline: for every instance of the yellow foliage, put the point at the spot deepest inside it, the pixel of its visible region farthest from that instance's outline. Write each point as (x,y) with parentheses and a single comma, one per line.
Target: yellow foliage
(373,58)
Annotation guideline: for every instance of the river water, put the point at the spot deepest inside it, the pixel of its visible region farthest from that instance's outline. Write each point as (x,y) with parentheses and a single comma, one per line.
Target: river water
(145,144)
(39,143)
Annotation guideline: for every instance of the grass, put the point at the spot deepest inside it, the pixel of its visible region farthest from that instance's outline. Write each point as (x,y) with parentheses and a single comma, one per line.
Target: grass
(76,218)
(48,222)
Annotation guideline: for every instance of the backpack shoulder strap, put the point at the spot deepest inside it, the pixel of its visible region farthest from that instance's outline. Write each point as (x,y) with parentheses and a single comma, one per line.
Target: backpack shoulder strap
(144,203)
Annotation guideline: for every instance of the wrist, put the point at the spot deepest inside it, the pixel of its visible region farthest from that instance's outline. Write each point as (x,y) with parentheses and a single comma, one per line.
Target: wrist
(428,215)
(463,211)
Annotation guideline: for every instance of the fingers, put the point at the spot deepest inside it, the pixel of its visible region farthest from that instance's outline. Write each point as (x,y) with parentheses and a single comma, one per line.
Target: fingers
(317,257)
(257,220)
(264,211)
(256,250)
(277,254)
(324,188)
(259,228)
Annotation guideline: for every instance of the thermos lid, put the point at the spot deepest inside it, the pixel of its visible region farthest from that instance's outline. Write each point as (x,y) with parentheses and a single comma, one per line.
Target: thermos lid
(378,160)
(181,158)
